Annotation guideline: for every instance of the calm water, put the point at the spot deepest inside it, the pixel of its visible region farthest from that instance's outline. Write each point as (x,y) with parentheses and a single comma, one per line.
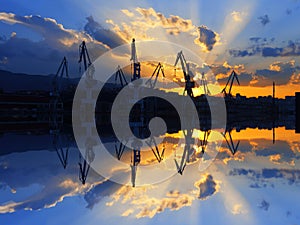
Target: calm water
(259,184)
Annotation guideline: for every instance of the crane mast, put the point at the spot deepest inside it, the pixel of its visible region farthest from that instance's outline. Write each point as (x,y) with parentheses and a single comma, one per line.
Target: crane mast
(189,84)
(230,80)
(136,73)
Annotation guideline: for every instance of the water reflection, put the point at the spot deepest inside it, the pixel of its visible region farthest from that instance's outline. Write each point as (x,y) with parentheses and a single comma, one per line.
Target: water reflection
(39,169)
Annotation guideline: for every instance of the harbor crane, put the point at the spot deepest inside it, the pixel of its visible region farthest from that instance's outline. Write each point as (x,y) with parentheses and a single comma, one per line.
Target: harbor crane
(203,82)
(84,58)
(230,80)
(233,147)
(136,73)
(159,68)
(61,72)
(56,102)
(189,84)
(119,74)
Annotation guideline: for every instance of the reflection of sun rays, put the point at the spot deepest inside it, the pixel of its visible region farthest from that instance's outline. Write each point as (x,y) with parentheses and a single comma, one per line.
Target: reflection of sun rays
(233,199)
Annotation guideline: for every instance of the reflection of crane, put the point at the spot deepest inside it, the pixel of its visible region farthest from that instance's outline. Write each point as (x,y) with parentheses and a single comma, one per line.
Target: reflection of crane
(231,78)
(84,163)
(204,141)
(119,74)
(233,148)
(185,158)
(158,68)
(135,160)
(120,150)
(62,152)
(203,82)
(185,68)
(136,65)
(159,156)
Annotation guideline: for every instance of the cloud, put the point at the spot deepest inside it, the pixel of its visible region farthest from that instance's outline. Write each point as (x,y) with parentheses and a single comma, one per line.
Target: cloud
(291,49)
(237,16)
(223,71)
(281,72)
(43,56)
(207,38)
(105,36)
(266,48)
(148,24)
(127,12)
(264,19)
(264,205)
(51,31)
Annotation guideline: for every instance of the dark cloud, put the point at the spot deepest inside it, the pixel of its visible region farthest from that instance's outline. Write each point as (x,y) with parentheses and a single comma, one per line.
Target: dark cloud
(105,36)
(264,205)
(44,56)
(264,19)
(243,53)
(292,49)
(265,47)
(207,187)
(279,71)
(206,37)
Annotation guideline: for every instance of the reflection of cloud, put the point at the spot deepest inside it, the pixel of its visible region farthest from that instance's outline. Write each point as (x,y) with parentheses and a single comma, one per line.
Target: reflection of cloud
(99,191)
(264,205)
(54,183)
(260,177)
(8,208)
(207,187)
(237,209)
(143,204)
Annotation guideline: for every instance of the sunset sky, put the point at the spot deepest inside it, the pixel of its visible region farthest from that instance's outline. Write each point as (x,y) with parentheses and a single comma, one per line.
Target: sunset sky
(259,39)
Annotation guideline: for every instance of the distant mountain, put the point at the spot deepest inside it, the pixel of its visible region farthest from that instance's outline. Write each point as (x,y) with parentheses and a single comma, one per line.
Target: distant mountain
(10,82)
